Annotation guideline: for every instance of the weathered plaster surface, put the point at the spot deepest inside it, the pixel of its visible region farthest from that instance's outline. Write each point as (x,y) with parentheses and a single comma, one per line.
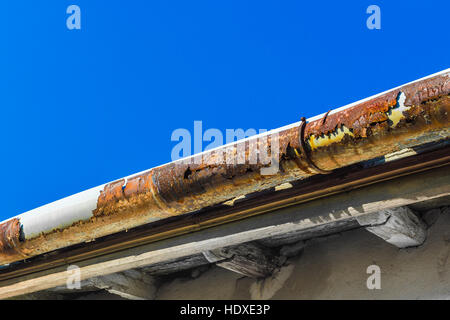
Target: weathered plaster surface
(336,269)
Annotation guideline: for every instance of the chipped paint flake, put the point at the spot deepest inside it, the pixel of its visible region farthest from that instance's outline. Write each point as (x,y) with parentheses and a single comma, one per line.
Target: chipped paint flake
(396,114)
(283,186)
(232,201)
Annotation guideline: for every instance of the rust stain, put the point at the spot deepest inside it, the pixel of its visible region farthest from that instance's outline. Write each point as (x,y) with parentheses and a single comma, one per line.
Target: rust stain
(353,135)
(9,236)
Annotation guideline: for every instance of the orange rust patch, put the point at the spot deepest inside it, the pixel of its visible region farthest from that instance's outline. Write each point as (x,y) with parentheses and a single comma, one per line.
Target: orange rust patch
(9,236)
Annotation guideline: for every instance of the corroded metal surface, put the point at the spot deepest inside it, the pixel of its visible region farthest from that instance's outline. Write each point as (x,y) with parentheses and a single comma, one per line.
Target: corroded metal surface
(320,186)
(303,148)
(9,237)
(406,117)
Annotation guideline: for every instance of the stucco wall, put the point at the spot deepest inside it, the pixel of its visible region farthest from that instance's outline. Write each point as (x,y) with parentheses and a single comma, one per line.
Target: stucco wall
(336,268)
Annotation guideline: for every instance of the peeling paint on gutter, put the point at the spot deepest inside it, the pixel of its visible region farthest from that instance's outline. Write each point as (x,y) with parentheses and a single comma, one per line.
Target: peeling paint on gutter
(405,117)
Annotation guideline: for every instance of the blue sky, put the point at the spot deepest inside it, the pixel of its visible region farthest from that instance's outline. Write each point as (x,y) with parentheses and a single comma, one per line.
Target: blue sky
(83,107)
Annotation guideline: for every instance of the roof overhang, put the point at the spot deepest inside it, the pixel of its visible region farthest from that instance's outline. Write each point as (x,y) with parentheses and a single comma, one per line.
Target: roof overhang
(386,139)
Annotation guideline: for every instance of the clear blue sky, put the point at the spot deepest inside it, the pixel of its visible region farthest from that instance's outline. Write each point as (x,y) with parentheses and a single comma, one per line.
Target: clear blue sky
(83,107)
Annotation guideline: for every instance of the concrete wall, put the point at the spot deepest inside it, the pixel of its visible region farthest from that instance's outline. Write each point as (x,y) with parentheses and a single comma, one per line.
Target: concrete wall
(336,268)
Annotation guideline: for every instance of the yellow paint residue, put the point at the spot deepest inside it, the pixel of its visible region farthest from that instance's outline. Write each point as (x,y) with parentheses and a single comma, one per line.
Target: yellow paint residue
(317,142)
(396,115)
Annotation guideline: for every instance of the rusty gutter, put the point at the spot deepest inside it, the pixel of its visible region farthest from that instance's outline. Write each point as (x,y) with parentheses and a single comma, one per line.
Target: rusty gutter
(403,118)
(316,187)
